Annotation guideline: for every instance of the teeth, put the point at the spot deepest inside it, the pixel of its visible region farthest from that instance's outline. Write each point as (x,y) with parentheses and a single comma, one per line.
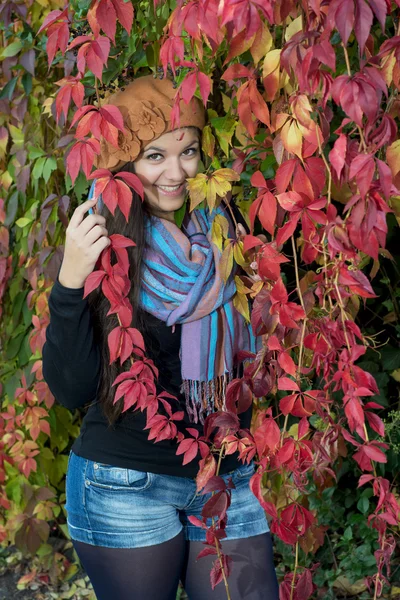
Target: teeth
(168,188)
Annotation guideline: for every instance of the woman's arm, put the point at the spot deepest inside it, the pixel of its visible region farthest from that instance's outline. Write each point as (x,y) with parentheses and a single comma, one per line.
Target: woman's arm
(71,358)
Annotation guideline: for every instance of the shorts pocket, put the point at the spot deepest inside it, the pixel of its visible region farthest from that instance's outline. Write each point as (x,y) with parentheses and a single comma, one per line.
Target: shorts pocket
(118,478)
(244,471)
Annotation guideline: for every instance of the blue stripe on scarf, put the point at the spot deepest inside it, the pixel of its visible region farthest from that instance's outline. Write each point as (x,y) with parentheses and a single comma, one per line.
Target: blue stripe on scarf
(213,344)
(167,249)
(183,279)
(230,330)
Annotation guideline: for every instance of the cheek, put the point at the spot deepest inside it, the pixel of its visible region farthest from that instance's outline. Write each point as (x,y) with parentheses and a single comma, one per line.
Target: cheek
(192,169)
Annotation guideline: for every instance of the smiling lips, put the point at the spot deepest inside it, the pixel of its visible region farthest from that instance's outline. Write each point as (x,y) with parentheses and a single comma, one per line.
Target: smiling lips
(172,190)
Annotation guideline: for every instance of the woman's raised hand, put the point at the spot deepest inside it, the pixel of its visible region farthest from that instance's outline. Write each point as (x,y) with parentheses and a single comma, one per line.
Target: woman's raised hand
(86,238)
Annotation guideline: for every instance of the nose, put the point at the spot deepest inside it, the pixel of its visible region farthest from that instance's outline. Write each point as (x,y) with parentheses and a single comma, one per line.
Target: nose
(175,171)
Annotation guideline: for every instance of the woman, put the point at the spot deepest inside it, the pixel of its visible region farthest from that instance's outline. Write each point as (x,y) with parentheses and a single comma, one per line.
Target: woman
(128,499)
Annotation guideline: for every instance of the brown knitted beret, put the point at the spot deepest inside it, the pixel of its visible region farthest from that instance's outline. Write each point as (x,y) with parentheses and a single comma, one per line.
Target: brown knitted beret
(146,105)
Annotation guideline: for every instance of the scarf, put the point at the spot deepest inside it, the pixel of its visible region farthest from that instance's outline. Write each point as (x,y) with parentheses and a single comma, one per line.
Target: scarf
(181,284)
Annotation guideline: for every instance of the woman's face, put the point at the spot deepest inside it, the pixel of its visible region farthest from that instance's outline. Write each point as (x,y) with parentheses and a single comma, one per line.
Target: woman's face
(163,167)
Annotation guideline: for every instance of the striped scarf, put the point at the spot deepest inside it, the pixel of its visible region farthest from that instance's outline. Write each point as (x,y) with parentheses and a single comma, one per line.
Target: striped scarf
(181,284)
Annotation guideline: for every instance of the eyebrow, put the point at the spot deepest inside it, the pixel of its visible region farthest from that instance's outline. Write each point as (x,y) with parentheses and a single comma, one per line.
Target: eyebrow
(163,149)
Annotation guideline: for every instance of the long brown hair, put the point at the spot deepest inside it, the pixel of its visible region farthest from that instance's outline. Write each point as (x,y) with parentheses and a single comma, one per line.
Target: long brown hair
(99,305)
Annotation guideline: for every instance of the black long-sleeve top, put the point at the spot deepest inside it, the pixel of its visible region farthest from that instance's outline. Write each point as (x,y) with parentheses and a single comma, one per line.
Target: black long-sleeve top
(71,368)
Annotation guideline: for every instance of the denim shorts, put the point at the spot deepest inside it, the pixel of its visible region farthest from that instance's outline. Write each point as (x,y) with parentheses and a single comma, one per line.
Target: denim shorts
(124,508)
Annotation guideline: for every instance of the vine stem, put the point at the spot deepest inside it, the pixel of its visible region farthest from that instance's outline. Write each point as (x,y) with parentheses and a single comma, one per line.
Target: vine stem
(377,575)
(329,201)
(342,316)
(300,295)
(96,85)
(228,595)
(346,57)
(296,564)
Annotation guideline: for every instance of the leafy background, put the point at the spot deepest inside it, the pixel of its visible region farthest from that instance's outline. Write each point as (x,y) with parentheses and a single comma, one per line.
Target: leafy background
(38,196)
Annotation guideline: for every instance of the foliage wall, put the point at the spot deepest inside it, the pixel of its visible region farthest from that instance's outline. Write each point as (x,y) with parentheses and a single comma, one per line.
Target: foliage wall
(303,113)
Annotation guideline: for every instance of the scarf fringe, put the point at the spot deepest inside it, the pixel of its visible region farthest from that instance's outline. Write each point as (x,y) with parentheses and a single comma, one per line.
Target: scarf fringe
(205,397)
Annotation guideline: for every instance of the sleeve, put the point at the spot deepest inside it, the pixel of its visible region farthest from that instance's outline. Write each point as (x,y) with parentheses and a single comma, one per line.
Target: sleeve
(71,358)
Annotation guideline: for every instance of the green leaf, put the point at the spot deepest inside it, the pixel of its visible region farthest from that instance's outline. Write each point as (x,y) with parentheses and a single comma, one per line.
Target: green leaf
(224,129)
(35,153)
(11,50)
(49,167)
(14,346)
(23,222)
(390,358)
(14,489)
(363,505)
(8,89)
(27,83)
(348,534)
(38,168)
(12,209)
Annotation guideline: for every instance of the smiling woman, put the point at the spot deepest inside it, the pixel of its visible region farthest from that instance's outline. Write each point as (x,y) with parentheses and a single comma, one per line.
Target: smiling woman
(164,168)
(128,499)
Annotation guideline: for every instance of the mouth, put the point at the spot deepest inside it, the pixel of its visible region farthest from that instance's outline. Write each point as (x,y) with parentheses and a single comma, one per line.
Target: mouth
(172,190)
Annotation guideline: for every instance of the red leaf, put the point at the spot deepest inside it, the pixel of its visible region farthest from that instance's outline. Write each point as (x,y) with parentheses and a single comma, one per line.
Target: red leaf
(204,86)
(337,155)
(287,363)
(125,14)
(363,23)
(207,468)
(188,87)
(285,232)
(284,383)
(284,174)
(133,181)
(93,281)
(267,211)
(206,552)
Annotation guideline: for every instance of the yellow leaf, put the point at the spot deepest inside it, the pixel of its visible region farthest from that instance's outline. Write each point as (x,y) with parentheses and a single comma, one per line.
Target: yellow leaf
(219,230)
(197,189)
(240,286)
(223,222)
(302,109)
(256,288)
(393,157)
(353,589)
(208,141)
(226,262)
(47,104)
(238,254)
(292,138)
(227,102)
(271,73)
(294,27)
(216,234)
(396,374)
(218,185)
(241,304)
(387,66)
(294,431)
(241,134)
(262,43)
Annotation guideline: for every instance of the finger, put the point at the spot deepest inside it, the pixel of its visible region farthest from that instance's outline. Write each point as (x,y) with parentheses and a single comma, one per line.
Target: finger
(88,223)
(79,212)
(94,234)
(100,245)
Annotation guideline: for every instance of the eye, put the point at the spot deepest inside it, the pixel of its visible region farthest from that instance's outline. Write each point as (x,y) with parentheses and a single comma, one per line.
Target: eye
(151,156)
(188,152)
(193,151)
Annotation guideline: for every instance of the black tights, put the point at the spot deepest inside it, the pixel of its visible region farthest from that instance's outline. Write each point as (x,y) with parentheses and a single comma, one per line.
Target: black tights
(153,572)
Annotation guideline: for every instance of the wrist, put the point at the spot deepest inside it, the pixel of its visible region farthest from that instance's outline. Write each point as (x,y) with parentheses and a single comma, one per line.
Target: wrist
(69,281)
